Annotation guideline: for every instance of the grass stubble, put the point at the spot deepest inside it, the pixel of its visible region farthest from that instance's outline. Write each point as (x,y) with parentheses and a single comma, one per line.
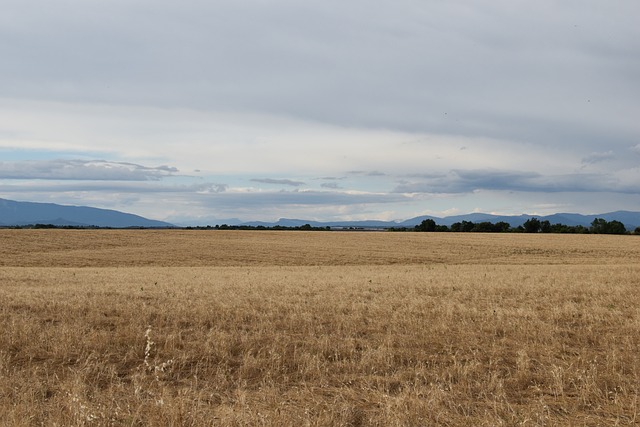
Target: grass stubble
(446,330)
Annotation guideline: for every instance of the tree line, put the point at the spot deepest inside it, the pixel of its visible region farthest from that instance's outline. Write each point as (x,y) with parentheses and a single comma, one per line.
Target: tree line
(532,225)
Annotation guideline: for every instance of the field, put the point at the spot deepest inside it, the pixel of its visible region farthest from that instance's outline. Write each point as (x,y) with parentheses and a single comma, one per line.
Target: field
(241,328)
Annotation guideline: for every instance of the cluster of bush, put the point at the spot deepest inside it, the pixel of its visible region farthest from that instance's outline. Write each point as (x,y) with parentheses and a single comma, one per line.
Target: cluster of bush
(52,226)
(305,227)
(532,225)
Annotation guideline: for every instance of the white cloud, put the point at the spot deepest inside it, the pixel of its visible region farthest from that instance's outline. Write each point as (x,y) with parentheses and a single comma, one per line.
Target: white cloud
(276,181)
(234,143)
(83,170)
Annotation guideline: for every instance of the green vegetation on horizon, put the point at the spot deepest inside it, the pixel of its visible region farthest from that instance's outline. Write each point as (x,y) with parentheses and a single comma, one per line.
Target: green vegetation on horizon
(532,225)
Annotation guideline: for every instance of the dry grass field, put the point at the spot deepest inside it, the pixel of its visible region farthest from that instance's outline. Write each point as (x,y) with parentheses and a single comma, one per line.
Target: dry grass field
(239,328)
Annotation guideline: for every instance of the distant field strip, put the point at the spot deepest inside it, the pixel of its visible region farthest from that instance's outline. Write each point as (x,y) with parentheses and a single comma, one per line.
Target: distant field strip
(168,248)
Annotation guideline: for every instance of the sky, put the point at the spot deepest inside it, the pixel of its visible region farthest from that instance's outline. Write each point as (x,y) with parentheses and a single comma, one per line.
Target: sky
(198,112)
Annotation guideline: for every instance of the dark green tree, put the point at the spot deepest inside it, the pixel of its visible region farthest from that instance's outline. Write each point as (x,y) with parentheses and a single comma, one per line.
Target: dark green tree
(483,227)
(598,226)
(426,225)
(532,225)
(602,226)
(501,227)
(467,226)
(616,227)
(545,226)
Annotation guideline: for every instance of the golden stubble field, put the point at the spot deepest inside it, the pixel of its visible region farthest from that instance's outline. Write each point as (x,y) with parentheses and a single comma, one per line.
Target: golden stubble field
(239,328)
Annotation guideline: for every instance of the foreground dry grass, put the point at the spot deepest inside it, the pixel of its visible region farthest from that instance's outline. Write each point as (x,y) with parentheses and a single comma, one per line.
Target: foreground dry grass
(239,328)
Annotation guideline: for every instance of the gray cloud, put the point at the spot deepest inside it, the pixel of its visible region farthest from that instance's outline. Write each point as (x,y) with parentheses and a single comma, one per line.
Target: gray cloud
(209,196)
(427,175)
(596,157)
(467,181)
(331,185)
(90,170)
(279,181)
(367,173)
(119,187)
(537,73)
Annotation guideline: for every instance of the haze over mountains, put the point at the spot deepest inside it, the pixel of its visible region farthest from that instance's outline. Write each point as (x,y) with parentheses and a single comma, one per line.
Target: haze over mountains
(13,213)
(631,220)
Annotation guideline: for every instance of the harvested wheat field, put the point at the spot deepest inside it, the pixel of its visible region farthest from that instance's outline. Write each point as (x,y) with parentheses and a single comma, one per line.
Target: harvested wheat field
(241,328)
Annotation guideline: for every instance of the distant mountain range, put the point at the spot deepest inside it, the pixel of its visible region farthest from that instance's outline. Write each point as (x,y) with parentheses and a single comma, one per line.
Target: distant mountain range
(631,220)
(14,213)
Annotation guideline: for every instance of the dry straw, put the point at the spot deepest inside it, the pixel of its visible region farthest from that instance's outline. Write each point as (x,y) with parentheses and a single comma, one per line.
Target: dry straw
(405,329)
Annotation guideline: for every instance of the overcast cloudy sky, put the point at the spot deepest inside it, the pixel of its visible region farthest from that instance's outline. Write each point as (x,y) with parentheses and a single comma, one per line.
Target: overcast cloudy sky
(207,110)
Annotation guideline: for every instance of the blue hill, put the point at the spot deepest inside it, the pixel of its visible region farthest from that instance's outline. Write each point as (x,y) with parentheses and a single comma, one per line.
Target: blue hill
(14,213)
